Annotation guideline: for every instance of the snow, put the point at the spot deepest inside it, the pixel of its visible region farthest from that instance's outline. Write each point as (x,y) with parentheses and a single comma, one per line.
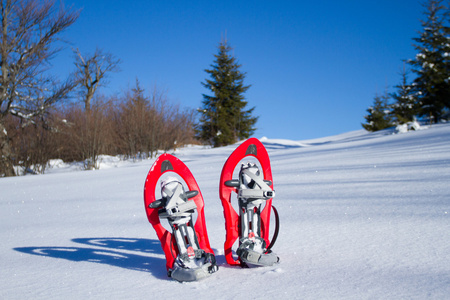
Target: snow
(402,128)
(363,216)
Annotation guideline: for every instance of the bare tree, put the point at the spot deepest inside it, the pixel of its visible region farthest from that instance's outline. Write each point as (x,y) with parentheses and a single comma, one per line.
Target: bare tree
(92,71)
(29,30)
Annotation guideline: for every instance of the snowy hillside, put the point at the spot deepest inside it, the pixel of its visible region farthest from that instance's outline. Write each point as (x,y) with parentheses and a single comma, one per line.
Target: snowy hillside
(363,215)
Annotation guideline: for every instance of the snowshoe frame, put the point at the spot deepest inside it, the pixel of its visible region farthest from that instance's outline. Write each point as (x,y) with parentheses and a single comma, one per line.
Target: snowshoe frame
(169,163)
(254,148)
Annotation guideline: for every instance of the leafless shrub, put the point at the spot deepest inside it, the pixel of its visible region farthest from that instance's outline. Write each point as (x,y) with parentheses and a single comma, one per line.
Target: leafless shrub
(87,135)
(146,124)
(33,142)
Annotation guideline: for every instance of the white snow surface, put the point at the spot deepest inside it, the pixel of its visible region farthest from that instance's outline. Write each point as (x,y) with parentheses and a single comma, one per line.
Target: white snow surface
(363,216)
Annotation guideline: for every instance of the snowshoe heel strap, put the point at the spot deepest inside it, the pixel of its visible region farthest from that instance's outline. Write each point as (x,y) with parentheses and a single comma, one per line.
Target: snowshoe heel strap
(206,265)
(183,274)
(255,258)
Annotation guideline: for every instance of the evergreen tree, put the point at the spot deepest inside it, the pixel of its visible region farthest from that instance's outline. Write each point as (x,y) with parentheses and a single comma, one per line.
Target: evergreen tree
(224,118)
(432,63)
(405,107)
(379,116)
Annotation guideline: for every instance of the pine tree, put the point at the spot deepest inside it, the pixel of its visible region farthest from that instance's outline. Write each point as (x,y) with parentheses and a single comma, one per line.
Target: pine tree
(405,107)
(379,116)
(224,118)
(432,63)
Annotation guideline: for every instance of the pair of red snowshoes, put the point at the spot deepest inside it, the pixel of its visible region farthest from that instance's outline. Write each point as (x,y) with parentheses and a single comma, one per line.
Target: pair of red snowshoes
(189,256)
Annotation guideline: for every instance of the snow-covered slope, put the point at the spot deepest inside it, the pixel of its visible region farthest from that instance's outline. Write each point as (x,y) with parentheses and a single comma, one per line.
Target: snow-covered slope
(363,215)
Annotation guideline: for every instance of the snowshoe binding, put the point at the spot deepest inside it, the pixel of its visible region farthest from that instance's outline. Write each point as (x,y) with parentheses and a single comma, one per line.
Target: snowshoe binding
(188,254)
(253,188)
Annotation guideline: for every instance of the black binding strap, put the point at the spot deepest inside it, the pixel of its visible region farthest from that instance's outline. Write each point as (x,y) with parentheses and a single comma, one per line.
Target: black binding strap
(277,227)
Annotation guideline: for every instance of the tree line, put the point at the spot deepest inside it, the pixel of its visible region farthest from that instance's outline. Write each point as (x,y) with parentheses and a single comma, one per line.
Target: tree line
(427,96)
(40,121)
(133,125)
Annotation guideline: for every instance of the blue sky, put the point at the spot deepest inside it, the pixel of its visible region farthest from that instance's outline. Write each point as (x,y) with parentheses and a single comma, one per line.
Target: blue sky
(313,66)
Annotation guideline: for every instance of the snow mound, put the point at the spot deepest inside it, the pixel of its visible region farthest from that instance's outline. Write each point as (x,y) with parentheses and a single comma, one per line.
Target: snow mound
(410,126)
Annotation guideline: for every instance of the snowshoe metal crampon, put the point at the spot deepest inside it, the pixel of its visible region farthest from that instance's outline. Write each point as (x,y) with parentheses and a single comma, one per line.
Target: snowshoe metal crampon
(253,189)
(189,256)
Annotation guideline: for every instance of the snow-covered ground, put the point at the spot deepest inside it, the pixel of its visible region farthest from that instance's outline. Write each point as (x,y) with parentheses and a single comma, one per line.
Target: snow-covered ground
(363,216)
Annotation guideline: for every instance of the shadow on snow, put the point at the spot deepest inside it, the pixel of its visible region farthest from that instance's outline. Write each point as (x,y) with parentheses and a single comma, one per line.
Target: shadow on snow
(110,251)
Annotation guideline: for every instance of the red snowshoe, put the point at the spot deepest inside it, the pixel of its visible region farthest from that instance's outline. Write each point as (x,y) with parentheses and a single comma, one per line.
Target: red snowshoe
(253,189)
(189,256)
